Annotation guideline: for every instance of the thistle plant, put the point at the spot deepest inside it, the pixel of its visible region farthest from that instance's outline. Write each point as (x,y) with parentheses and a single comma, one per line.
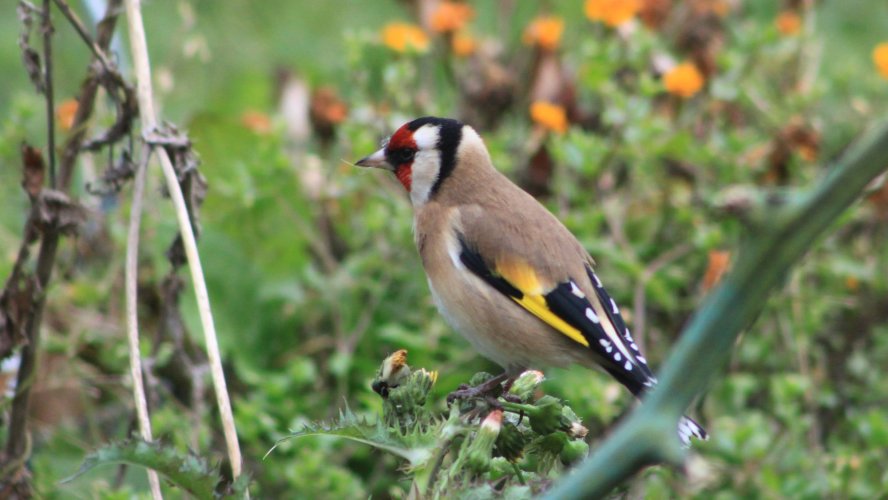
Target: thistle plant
(513,444)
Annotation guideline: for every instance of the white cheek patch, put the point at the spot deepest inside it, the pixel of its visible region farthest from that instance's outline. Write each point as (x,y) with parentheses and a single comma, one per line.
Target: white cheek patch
(425,169)
(426,137)
(426,164)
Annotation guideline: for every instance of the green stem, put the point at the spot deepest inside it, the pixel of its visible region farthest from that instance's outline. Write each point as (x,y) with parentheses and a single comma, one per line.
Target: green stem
(518,407)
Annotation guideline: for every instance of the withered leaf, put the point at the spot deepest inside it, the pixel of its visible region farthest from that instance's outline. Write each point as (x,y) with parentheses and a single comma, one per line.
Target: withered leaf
(30,57)
(54,210)
(34,170)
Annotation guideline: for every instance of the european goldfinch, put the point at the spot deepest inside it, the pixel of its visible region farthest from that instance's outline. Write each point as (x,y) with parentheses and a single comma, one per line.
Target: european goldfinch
(503,271)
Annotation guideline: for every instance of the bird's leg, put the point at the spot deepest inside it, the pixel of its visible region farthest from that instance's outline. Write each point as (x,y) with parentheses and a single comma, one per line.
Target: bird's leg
(508,384)
(483,389)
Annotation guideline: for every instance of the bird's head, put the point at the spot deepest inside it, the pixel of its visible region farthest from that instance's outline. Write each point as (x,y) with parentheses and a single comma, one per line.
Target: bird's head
(423,153)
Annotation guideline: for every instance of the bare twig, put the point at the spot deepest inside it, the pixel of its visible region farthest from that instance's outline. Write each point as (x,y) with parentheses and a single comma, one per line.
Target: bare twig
(132,320)
(139,47)
(97,50)
(639,302)
(19,436)
(86,99)
(46,26)
(50,218)
(126,109)
(30,57)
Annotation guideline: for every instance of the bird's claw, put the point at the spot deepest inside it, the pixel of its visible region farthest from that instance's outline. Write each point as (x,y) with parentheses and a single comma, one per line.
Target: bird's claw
(489,391)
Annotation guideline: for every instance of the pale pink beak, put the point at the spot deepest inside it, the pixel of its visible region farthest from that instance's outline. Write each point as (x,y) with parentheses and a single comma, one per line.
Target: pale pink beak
(376,160)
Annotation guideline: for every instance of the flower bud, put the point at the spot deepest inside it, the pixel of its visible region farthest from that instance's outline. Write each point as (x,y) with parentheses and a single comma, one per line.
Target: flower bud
(499,468)
(479,451)
(391,373)
(525,385)
(574,451)
(405,402)
(553,443)
(547,417)
(510,442)
(419,384)
(577,430)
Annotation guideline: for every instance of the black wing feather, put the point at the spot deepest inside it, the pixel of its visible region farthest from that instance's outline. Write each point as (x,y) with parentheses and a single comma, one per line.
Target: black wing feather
(568,303)
(572,306)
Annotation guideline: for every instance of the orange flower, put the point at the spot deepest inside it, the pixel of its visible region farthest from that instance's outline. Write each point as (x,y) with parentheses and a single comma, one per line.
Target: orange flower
(65,114)
(683,80)
(788,23)
(880,58)
(719,260)
(450,17)
(326,107)
(463,44)
(405,37)
(549,116)
(256,121)
(720,8)
(544,31)
(612,12)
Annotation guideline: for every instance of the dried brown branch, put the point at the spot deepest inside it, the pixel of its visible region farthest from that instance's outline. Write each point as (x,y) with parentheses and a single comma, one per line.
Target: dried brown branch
(124,98)
(30,57)
(97,50)
(52,215)
(87,98)
(48,30)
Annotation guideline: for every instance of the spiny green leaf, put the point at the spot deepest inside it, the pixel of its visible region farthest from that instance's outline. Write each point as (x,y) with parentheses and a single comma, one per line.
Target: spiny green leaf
(187,471)
(414,444)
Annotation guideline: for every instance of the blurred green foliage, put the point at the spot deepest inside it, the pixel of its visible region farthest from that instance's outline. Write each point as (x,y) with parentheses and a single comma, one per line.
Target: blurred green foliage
(313,276)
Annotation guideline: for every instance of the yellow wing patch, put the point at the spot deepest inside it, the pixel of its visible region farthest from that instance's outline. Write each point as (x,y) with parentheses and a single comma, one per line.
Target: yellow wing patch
(536,304)
(523,277)
(520,274)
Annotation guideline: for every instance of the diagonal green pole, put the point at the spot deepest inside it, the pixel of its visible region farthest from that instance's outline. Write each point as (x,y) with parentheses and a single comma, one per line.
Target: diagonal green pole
(784,233)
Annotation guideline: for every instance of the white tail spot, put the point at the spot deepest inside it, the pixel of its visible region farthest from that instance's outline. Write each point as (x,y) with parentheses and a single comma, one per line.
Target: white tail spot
(614,307)
(628,366)
(592,316)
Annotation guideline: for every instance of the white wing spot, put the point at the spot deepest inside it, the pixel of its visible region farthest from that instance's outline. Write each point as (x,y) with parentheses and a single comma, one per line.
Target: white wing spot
(574,289)
(592,316)
(617,356)
(597,281)
(604,342)
(614,307)
(641,358)
(628,366)
(609,348)
(633,346)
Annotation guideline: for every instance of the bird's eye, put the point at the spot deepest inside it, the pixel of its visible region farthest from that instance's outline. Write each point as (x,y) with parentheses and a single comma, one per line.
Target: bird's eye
(402,156)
